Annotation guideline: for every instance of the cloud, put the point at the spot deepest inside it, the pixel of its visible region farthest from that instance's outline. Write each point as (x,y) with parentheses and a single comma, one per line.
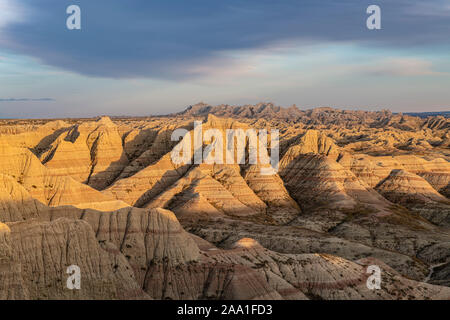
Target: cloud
(400,67)
(9,12)
(437,8)
(25,99)
(182,39)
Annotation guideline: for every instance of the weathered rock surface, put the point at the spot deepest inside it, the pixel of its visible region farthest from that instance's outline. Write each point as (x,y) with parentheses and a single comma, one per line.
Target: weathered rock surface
(414,192)
(315,180)
(353,189)
(41,252)
(373,170)
(313,142)
(199,183)
(91,152)
(42,184)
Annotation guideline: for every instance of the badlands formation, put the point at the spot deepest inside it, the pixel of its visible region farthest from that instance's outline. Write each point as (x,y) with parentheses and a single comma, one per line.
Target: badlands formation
(354,189)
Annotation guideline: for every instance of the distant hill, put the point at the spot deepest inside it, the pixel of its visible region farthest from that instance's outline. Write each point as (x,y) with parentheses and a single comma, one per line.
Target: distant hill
(445,114)
(269,111)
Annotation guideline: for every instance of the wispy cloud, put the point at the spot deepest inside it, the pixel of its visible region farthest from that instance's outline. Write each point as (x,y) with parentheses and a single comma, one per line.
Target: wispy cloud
(9,12)
(437,8)
(400,67)
(25,99)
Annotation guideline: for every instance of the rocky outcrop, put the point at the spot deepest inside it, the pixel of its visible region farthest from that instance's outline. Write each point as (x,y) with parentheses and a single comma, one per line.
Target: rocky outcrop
(91,153)
(23,166)
(353,189)
(314,180)
(313,142)
(146,147)
(262,110)
(325,276)
(414,192)
(270,189)
(132,253)
(199,183)
(41,252)
(373,170)
(34,137)
(16,204)
(405,187)
(140,188)
(270,111)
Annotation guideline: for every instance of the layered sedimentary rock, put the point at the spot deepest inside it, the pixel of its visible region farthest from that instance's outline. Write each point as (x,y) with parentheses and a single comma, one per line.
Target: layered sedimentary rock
(11,281)
(131,253)
(353,189)
(271,190)
(414,192)
(230,177)
(330,277)
(199,183)
(26,169)
(313,177)
(16,204)
(140,188)
(292,114)
(141,255)
(403,187)
(315,180)
(313,142)
(42,252)
(146,147)
(35,137)
(373,170)
(91,152)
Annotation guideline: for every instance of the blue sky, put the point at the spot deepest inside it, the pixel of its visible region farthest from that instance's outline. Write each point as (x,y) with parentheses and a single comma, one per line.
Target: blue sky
(142,57)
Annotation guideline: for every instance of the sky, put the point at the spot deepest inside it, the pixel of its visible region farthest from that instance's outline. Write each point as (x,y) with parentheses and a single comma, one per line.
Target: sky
(150,57)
